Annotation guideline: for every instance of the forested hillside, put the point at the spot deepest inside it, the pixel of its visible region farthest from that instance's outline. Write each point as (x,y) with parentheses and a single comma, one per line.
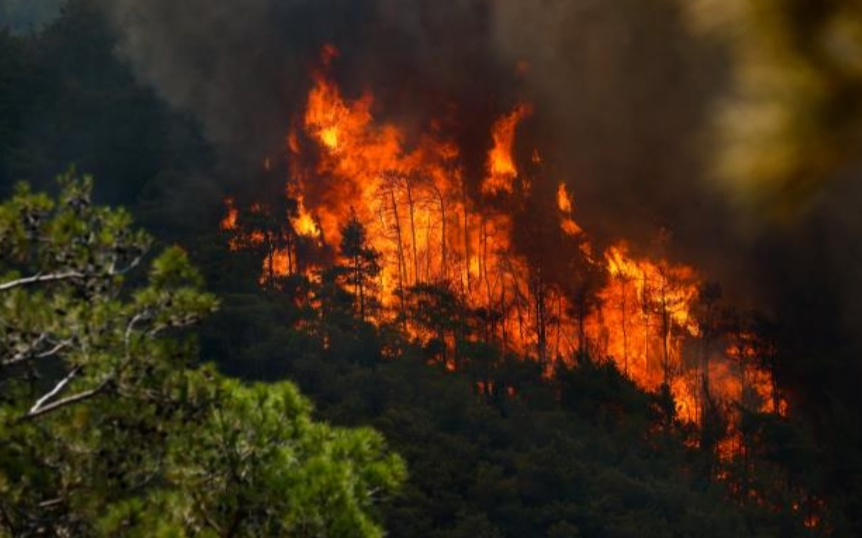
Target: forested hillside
(521,294)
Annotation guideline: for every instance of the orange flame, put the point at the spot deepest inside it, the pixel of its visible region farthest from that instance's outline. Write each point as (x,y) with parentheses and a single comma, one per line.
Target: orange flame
(229,221)
(567,222)
(501,164)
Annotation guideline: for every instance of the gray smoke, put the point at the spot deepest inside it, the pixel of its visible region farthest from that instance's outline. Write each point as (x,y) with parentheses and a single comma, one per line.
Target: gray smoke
(621,89)
(217,60)
(626,91)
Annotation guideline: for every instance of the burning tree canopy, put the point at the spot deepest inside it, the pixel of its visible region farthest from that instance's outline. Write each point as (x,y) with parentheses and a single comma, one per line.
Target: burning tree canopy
(506,245)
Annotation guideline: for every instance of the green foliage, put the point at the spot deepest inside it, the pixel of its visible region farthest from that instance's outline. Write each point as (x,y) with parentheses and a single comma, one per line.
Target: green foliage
(261,467)
(497,449)
(107,427)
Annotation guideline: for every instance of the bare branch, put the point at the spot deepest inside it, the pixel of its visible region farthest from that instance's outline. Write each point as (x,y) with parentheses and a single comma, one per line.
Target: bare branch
(38,279)
(32,354)
(130,327)
(54,350)
(68,275)
(52,503)
(134,263)
(42,407)
(27,353)
(174,323)
(56,390)
(76,398)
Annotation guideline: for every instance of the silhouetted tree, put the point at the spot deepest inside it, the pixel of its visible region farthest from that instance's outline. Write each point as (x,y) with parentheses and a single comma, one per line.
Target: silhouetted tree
(363,264)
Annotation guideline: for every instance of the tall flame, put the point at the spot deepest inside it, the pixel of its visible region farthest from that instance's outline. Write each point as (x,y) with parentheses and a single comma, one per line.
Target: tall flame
(501,163)
(567,209)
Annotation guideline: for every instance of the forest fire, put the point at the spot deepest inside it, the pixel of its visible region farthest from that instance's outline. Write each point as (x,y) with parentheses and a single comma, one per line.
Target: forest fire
(422,226)
(476,268)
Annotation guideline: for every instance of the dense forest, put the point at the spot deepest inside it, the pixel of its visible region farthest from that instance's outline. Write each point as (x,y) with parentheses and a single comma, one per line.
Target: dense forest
(403,271)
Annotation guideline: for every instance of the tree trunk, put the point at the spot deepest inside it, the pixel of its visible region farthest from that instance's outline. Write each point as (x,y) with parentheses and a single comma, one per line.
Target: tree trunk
(444,267)
(401,263)
(624,314)
(411,207)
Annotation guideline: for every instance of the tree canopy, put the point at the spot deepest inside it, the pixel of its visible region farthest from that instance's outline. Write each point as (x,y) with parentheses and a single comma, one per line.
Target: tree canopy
(110,427)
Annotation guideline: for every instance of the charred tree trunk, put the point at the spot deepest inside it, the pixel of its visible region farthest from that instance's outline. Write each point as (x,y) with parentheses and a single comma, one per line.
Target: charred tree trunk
(483,269)
(428,256)
(665,341)
(624,323)
(645,309)
(559,325)
(504,333)
(444,261)
(400,249)
(270,259)
(467,257)
(582,320)
(359,288)
(541,318)
(291,270)
(412,209)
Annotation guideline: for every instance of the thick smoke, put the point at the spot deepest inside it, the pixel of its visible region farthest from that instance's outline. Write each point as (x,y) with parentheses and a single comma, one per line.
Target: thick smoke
(227,63)
(242,67)
(624,93)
